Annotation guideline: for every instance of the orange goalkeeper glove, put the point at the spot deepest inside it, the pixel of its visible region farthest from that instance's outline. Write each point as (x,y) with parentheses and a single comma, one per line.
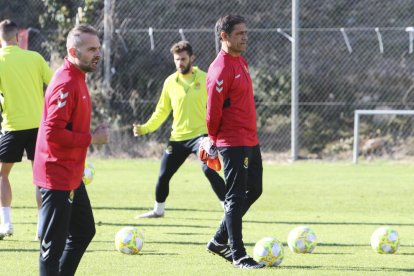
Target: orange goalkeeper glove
(208,154)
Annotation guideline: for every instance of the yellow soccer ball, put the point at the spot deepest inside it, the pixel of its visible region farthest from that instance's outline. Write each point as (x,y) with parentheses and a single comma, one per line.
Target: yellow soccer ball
(129,240)
(302,240)
(385,240)
(268,251)
(88,173)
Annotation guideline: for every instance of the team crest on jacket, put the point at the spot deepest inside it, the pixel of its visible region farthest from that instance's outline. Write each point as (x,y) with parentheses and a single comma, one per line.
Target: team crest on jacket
(169,150)
(197,85)
(246,163)
(71,196)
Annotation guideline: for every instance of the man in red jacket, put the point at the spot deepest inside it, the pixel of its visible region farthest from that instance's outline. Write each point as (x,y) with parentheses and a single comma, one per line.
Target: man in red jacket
(231,122)
(67,225)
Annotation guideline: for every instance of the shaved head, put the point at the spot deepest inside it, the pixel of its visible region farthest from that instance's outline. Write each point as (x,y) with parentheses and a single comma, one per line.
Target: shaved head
(74,40)
(84,48)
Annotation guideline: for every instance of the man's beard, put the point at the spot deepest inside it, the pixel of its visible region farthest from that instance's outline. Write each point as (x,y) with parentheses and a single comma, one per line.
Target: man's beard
(186,69)
(88,67)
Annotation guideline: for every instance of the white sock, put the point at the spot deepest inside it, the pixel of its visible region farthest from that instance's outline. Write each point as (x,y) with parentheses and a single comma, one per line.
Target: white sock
(222,204)
(159,207)
(5,214)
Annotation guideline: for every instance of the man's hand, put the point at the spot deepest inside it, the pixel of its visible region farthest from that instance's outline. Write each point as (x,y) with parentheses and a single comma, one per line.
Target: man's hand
(100,135)
(206,150)
(208,154)
(137,130)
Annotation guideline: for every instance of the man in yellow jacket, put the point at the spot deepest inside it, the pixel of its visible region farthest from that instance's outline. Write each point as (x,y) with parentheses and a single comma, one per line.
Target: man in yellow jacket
(184,93)
(22,76)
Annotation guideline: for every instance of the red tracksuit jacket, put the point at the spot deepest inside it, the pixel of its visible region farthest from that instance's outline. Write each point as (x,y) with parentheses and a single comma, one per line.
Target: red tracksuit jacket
(64,132)
(231,111)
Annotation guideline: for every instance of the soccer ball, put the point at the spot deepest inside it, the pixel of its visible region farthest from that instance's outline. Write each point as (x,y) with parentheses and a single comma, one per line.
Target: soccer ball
(385,240)
(129,240)
(302,239)
(88,173)
(268,251)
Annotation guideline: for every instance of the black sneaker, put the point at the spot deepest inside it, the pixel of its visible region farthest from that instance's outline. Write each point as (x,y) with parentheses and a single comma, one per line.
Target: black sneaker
(247,262)
(223,250)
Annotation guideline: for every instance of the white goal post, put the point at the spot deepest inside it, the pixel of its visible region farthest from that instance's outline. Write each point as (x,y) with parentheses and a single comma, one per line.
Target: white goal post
(358,113)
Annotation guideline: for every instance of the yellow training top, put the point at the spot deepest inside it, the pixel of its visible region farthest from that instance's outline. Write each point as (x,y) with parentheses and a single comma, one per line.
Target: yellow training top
(186,96)
(22,75)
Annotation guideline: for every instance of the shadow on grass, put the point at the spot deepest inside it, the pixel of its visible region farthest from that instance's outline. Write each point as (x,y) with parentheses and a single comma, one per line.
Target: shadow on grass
(135,209)
(151,253)
(186,234)
(246,244)
(342,244)
(356,245)
(324,244)
(307,222)
(143,224)
(103,241)
(178,242)
(328,223)
(160,254)
(149,209)
(18,250)
(349,268)
(152,242)
(330,253)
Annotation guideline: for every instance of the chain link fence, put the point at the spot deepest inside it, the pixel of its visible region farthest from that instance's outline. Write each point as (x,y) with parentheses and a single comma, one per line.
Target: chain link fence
(353,55)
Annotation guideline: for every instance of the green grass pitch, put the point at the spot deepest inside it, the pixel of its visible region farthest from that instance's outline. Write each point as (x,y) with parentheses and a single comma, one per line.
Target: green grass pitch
(341,202)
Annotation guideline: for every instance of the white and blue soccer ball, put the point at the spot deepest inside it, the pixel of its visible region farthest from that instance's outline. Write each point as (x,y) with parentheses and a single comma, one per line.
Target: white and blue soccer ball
(302,240)
(88,173)
(385,240)
(268,251)
(129,240)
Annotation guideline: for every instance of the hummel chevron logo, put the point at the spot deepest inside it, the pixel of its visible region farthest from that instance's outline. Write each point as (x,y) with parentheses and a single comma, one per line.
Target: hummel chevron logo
(45,254)
(61,104)
(219,88)
(45,249)
(63,95)
(46,245)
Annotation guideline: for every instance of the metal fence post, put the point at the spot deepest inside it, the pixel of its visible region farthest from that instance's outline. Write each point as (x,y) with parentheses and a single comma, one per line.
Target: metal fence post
(295,81)
(107,45)
(356,136)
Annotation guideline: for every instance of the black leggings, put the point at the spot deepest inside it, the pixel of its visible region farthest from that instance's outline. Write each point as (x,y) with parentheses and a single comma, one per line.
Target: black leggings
(67,227)
(174,156)
(244,183)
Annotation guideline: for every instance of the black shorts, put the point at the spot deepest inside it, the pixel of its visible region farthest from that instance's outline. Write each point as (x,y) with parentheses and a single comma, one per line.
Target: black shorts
(14,143)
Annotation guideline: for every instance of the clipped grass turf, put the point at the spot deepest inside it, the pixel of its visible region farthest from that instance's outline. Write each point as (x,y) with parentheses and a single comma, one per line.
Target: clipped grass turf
(341,202)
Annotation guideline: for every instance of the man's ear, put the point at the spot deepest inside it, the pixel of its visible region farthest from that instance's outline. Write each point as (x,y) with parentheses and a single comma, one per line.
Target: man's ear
(192,58)
(72,51)
(223,36)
